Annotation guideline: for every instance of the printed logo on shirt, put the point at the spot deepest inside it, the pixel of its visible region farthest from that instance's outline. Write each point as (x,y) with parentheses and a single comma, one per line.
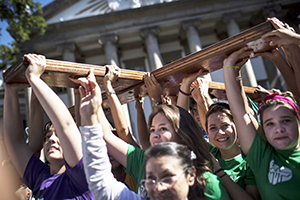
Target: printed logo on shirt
(279,174)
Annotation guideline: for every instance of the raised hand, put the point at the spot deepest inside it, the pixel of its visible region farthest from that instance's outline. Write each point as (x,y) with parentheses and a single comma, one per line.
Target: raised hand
(200,88)
(154,89)
(113,73)
(91,100)
(37,64)
(283,35)
(238,58)
(191,77)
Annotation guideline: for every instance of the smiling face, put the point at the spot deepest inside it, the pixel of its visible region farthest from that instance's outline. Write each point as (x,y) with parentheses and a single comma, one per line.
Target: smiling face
(221,131)
(168,167)
(161,130)
(281,128)
(52,147)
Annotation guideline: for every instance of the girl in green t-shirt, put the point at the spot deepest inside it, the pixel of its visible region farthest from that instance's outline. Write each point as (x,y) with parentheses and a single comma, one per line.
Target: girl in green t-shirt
(275,161)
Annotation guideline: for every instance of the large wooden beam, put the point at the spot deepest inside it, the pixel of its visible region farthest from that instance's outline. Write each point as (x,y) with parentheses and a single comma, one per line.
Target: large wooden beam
(131,85)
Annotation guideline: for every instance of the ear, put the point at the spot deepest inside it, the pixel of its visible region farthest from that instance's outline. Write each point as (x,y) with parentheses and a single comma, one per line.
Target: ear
(192,176)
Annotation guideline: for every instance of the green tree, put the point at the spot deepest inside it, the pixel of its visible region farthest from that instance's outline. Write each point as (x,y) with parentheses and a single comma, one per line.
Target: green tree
(25,20)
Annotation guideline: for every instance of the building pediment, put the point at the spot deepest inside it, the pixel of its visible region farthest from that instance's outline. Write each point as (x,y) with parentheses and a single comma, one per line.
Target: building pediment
(66,10)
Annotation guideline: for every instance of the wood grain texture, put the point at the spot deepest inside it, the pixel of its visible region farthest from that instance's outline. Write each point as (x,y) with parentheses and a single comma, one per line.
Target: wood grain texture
(130,85)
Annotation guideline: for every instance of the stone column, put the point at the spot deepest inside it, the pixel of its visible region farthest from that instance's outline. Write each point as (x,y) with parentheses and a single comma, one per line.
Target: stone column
(149,35)
(68,52)
(233,29)
(191,30)
(109,42)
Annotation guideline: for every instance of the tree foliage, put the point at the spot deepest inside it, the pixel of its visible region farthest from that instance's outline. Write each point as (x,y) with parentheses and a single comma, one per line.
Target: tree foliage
(24,18)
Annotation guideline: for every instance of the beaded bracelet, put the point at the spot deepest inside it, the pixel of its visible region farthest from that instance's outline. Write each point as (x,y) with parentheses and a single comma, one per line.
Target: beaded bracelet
(235,67)
(182,92)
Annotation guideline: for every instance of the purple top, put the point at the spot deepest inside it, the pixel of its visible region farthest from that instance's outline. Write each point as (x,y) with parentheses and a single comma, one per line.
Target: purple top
(70,184)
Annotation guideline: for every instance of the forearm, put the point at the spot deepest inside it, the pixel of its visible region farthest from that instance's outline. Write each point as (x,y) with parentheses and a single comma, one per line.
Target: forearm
(183,99)
(36,124)
(143,132)
(292,53)
(119,117)
(116,146)
(234,190)
(289,72)
(202,108)
(97,165)
(13,132)
(77,107)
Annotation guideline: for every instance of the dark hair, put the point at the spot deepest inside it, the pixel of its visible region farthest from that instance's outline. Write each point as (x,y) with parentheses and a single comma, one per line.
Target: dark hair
(188,130)
(218,107)
(183,154)
(46,128)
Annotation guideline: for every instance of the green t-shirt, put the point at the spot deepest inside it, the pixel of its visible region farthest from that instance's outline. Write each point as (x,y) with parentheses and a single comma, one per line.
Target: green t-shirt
(277,172)
(236,168)
(135,164)
(255,107)
(136,168)
(214,188)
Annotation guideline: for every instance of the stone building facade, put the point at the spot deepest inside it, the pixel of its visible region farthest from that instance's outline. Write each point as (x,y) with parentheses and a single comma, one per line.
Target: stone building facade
(147,34)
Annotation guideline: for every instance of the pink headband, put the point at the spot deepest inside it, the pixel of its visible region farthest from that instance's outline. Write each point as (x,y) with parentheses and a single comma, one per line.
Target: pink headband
(278,96)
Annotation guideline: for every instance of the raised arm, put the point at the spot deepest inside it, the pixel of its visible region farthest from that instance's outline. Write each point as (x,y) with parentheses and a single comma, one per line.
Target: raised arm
(119,117)
(96,162)
(201,96)
(184,91)
(245,129)
(13,131)
(9,177)
(58,113)
(142,128)
(286,37)
(36,124)
(287,72)
(117,147)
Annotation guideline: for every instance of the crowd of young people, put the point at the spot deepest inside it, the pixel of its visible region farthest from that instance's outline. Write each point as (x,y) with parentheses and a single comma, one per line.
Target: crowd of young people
(210,150)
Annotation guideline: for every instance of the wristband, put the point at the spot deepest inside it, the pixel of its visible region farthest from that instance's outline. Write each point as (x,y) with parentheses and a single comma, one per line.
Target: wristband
(182,92)
(220,169)
(111,92)
(222,175)
(235,67)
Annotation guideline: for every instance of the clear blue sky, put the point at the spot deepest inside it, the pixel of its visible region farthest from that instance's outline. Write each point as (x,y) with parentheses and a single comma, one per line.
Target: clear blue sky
(5,38)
